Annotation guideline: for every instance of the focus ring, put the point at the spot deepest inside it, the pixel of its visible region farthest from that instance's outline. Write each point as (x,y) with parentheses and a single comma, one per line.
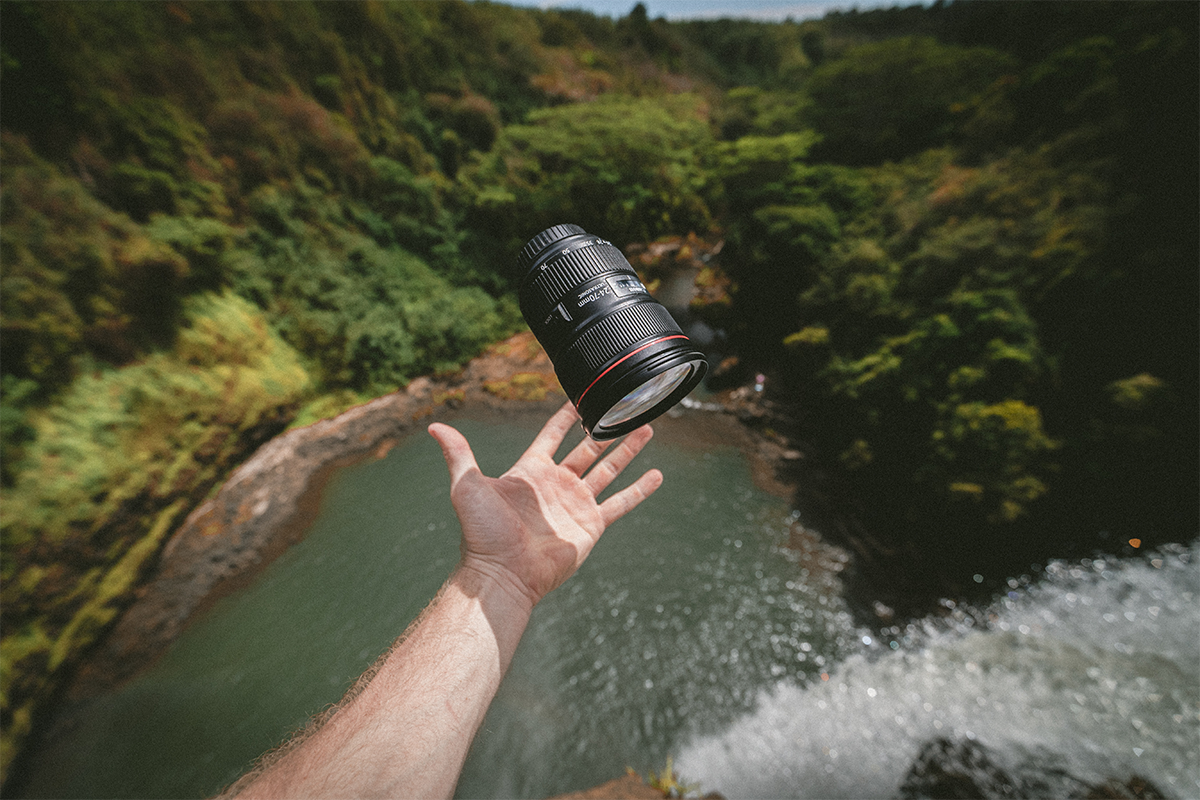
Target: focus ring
(616,332)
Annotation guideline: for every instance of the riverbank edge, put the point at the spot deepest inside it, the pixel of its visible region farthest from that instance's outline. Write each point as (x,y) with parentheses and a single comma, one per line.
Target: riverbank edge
(268,503)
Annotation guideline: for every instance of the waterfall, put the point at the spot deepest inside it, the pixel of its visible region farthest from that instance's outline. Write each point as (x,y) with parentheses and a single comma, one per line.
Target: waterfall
(1089,673)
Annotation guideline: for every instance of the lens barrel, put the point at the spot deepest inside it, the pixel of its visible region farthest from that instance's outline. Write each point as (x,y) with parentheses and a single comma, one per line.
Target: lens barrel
(618,353)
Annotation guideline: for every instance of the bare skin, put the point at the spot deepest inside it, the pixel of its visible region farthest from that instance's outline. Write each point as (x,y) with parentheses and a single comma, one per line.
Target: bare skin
(405,728)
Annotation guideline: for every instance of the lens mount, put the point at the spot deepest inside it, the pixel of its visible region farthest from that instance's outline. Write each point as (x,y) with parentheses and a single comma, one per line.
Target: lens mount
(618,353)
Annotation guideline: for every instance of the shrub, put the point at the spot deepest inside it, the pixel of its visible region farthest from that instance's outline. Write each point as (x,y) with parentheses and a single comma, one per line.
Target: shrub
(78,278)
(370,317)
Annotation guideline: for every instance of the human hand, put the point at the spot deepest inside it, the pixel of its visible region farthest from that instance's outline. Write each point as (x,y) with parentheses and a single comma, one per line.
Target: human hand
(532,527)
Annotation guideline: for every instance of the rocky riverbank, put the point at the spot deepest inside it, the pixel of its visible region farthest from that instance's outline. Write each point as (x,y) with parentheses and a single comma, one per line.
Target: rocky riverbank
(267,504)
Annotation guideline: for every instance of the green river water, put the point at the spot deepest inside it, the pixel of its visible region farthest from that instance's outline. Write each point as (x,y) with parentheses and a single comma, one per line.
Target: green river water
(690,631)
(685,610)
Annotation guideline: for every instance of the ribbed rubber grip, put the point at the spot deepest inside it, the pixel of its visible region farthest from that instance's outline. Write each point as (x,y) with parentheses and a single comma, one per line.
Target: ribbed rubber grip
(568,272)
(537,244)
(618,331)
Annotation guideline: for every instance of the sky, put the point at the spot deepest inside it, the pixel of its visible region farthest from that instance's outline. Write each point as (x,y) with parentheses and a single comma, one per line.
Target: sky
(766,10)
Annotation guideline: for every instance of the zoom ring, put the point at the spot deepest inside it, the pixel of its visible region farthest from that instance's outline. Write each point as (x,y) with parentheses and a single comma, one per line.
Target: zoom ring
(537,244)
(617,332)
(571,270)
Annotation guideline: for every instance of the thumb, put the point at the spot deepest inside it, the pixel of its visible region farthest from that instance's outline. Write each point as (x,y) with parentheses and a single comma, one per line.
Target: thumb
(456,450)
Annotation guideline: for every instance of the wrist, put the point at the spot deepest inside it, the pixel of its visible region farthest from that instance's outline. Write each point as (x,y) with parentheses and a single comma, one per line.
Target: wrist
(501,593)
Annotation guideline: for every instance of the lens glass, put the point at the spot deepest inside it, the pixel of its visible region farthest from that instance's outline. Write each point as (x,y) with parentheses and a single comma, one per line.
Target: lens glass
(646,396)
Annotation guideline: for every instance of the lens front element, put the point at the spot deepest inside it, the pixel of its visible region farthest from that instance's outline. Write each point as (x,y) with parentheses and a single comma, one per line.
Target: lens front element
(617,352)
(646,396)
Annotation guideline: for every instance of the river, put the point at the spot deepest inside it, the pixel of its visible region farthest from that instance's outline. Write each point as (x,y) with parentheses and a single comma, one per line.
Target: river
(692,631)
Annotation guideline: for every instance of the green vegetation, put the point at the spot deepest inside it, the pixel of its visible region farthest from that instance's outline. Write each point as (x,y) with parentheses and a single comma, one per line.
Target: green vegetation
(114,466)
(962,239)
(634,168)
(957,317)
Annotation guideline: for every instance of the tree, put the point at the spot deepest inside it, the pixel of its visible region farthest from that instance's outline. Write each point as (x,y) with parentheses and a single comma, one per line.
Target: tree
(890,99)
(628,169)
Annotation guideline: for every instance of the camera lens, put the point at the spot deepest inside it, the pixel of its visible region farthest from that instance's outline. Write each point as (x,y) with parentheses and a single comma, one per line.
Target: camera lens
(618,353)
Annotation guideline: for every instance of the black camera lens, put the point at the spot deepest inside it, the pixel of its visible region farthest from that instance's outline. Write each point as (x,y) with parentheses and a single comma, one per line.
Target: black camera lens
(618,353)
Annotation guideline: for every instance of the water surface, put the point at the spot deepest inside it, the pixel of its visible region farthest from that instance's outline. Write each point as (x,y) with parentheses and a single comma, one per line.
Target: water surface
(1088,674)
(691,631)
(686,611)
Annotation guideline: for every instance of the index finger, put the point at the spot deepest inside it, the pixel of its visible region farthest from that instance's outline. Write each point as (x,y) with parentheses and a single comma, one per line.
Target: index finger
(551,436)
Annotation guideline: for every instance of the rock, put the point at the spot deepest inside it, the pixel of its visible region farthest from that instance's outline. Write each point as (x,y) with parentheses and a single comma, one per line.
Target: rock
(945,769)
(420,387)
(1136,788)
(627,787)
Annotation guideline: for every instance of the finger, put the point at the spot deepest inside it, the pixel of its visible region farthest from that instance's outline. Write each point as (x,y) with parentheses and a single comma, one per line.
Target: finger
(456,450)
(584,455)
(551,436)
(607,470)
(630,497)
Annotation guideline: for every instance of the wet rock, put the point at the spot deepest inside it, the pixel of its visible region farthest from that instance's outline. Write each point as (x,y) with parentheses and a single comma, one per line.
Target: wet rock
(946,769)
(626,787)
(966,770)
(1136,788)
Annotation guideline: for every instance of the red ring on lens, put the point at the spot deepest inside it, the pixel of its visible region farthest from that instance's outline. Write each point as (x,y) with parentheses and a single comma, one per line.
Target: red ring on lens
(623,358)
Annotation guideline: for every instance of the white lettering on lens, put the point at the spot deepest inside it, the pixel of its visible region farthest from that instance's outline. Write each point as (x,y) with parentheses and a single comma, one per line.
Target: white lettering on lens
(593,295)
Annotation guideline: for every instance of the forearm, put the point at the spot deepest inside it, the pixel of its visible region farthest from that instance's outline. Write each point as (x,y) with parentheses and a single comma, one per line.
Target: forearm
(407,732)
(405,728)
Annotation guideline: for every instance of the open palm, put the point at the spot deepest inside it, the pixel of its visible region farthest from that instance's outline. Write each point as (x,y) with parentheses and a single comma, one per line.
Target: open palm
(534,525)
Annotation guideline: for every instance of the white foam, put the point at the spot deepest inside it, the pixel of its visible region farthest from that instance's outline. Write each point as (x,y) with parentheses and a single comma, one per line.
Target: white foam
(1092,672)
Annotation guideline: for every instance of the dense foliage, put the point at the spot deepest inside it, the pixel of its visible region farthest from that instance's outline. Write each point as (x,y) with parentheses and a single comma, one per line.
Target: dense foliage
(961,238)
(965,320)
